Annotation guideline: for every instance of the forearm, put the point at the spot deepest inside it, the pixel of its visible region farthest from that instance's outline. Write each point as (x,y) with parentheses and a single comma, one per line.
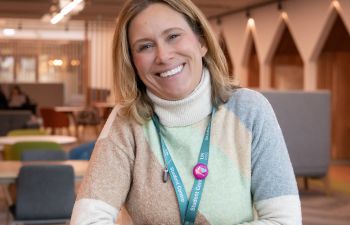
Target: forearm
(283,210)
(93,212)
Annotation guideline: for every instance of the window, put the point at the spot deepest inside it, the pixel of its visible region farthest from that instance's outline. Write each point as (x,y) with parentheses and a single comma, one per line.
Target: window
(7,65)
(26,68)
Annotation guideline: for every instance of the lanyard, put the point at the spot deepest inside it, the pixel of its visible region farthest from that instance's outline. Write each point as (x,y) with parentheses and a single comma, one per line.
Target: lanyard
(188,208)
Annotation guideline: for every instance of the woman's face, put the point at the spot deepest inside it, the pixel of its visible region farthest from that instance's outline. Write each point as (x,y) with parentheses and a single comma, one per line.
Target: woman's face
(166,52)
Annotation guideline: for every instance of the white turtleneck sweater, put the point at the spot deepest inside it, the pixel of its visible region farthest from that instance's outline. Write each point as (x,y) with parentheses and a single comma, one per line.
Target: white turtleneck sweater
(189,110)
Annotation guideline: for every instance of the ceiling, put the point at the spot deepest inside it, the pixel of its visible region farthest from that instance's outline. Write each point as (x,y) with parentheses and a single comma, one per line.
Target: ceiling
(108,9)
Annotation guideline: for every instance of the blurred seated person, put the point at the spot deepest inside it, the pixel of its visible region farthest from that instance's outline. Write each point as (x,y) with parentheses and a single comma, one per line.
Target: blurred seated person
(19,100)
(3,100)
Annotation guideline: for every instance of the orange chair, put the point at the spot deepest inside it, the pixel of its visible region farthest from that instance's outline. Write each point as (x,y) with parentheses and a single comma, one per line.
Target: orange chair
(54,120)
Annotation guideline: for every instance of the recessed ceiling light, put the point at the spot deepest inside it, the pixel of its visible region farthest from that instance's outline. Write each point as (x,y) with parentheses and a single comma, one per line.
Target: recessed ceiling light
(9,31)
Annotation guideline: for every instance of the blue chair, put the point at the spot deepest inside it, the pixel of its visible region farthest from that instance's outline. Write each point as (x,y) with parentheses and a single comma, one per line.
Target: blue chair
(82,152)
(43,155)
(45,194)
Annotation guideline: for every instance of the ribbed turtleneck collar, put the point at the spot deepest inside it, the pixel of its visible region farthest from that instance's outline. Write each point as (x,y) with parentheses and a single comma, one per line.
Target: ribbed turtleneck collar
(187,111)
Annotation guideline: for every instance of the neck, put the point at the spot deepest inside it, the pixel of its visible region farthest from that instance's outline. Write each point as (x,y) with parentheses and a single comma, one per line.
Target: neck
(187,111)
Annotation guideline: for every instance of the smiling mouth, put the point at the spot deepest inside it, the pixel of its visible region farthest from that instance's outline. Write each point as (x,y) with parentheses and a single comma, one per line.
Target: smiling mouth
(172,72)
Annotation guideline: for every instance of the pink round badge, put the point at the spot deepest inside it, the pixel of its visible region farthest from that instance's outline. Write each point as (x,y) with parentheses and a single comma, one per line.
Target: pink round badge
(200,171)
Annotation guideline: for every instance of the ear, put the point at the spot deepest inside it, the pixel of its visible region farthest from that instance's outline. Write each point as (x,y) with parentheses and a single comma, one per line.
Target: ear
(204,48)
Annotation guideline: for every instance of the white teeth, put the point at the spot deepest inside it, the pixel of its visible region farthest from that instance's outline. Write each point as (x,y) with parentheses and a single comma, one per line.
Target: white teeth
(172,72)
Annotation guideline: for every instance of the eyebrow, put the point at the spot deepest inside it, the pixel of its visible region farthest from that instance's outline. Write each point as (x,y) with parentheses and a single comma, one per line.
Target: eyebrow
(165,32)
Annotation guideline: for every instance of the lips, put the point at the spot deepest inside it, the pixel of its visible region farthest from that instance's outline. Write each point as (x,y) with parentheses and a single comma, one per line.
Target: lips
(172,72)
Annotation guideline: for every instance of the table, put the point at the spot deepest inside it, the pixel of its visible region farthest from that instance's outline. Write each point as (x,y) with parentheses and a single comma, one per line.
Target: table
(69,109)
(60,139)
(9,169)
(103,104)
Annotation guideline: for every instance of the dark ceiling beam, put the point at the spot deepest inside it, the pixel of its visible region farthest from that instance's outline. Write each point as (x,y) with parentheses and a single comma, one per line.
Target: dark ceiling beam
(212,6)
(24,5)
(239,10)
(24,9)
(21,15)
(99,11)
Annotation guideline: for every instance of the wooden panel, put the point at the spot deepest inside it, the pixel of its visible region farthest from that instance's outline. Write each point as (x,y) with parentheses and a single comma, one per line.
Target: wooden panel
(287,72)
(253,69)
(333,74)
(223,45)
(287,65)
(338,39)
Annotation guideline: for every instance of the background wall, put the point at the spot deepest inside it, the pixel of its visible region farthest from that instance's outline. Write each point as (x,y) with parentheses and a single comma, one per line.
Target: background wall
(51,94)
(309,23)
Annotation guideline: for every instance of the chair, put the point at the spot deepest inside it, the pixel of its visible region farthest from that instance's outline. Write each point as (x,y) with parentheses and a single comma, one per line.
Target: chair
(19,132)
(43,155)
(45,194)
(54,120)
(18,148)
(82,151)
(89,117)
(13,119)
(305,119)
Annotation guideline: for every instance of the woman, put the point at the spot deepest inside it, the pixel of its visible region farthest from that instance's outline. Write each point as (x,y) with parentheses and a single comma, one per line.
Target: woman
(17,98)
(184,144)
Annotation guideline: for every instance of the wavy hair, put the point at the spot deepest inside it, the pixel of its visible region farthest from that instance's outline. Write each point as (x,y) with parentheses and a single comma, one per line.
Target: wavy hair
(130,90)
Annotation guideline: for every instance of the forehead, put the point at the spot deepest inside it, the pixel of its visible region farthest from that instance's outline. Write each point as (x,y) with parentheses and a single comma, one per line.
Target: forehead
(154,19)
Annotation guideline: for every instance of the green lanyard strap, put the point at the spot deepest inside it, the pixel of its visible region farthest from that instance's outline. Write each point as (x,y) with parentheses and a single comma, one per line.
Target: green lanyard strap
(188,208)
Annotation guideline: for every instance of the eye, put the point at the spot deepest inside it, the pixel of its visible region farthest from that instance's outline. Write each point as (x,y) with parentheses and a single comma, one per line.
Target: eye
(173,36)
(144,47)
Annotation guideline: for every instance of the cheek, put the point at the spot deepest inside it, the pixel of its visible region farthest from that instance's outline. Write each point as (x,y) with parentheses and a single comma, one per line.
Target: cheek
(195,48)
(141,63)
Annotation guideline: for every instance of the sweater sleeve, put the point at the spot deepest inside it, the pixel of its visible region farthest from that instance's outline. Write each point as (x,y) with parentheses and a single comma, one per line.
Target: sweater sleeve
(273,185)
(106,184)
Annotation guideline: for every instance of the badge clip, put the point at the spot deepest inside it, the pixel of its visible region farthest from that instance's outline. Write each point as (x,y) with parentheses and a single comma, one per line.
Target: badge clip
(165,175)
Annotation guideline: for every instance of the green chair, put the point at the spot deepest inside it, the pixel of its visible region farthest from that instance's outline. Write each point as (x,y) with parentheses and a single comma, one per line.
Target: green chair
(18,148)
(19,132)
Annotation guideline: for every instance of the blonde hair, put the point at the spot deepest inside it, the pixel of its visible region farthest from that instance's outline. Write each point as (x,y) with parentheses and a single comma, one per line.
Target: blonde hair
(131,92)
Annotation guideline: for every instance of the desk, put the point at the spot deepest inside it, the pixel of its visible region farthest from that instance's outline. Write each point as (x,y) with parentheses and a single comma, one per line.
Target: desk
(9,169)
(60,139)
(69,109)
(103,104)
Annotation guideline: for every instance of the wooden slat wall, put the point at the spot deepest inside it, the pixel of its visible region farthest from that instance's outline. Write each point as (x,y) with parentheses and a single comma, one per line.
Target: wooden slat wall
(287,65)
(333,74)
(253,68)
(287,72)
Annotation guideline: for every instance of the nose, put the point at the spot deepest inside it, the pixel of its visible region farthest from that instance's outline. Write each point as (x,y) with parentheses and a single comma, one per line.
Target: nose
(163,54)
